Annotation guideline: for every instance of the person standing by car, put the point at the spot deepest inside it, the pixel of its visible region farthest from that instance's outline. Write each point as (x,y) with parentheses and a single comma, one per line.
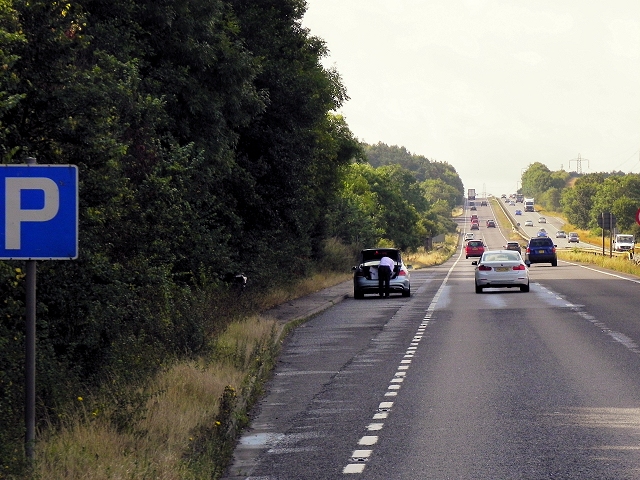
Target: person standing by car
(385,270)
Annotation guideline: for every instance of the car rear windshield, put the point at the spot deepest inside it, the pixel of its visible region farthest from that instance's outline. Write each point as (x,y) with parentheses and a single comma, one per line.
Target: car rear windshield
(501,257)
(540,242)
(369,255)
(475,243)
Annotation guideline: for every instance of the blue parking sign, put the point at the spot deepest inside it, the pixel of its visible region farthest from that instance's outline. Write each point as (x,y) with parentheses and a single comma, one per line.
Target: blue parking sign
(38,212)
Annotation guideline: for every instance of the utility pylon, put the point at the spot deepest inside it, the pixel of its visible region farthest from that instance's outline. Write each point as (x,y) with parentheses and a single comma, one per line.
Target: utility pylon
(579,161)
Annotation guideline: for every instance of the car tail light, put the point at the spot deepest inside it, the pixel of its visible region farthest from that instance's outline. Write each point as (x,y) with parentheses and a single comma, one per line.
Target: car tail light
(402,273)
(484,268)
(553,250)
(528,250)
(520,267)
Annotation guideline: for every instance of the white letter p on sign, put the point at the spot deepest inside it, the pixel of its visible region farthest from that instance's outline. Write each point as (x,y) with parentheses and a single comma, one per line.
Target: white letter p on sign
(15,215)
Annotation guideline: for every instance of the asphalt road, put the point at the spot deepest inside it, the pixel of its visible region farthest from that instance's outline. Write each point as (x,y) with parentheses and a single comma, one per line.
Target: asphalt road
(450,384)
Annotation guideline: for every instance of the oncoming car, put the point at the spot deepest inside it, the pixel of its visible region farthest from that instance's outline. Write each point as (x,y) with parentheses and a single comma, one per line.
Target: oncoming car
(561,234)
(542,220)
(528,223)
(573,238)
(501,269)
(518,212)
(365,274)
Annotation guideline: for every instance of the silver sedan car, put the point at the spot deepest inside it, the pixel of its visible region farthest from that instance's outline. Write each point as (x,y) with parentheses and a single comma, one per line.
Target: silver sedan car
(500,269)
(365,274)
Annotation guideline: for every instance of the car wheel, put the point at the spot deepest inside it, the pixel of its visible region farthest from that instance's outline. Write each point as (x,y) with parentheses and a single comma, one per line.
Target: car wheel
(554,263)
(467,257)
(357,294)
(524,288)
(478,289)
(406,293)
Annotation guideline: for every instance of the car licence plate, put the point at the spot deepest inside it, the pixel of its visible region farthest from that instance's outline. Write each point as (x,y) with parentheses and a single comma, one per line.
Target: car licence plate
(541,252)
(502,269)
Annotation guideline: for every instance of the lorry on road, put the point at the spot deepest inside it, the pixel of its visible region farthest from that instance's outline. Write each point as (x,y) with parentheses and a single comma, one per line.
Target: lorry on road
(519,198)
(471,194)
(623,242)
(529,205)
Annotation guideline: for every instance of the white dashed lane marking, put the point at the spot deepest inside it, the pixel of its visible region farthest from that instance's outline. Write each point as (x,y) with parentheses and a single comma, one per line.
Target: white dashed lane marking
(360,457)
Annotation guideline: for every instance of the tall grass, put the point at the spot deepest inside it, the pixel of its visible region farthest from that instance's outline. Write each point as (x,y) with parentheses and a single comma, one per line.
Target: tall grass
(619,264)
(181,399)
(441,252)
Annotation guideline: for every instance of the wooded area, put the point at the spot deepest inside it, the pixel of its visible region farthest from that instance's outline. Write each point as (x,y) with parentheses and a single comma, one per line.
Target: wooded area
(583,197)
(207,144)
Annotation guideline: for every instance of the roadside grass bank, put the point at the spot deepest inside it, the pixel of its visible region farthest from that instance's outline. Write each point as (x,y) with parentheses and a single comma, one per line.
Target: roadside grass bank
(618,264)
(441,252)
(503,221)
(184,423)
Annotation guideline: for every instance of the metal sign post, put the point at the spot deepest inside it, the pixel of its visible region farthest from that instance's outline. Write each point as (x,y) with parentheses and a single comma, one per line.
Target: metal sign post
(38,221)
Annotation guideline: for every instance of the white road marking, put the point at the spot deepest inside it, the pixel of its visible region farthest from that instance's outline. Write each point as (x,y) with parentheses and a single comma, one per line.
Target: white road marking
(368,440)
(358,455)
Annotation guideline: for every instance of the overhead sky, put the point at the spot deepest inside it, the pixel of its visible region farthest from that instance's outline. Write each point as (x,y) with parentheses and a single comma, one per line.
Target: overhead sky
(490,86)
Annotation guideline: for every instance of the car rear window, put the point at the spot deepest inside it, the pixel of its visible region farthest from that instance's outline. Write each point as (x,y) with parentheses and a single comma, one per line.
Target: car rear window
(501,257)
(475,243)
(540,242)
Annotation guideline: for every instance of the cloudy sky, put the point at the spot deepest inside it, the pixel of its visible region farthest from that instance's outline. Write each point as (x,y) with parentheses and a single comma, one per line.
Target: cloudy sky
(491,86)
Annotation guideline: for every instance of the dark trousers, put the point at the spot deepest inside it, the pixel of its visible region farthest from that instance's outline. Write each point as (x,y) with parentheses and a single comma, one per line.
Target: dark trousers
(384,276)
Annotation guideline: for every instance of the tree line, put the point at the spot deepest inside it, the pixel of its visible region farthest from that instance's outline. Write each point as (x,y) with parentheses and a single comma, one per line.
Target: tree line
(207,144)
(582,198)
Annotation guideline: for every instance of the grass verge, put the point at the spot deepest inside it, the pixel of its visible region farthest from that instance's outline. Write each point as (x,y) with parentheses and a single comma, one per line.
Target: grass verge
(618,264)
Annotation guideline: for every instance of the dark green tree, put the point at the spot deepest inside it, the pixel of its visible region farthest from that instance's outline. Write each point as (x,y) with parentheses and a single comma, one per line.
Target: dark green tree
(577,201)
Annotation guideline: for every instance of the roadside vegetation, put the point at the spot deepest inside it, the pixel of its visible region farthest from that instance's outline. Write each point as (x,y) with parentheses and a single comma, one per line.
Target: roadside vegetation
(441,252)
(616,263)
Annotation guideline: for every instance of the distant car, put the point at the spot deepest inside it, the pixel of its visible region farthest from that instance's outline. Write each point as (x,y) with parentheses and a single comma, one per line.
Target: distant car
(512,203)
(491,224)
(473,207)
(468,236)
(513,246)
(499,269)
(474,248)
(365,274)
(518,212)
(542,220)
(541,250)
(528,223)
(483,203)
(542,233)
(475,226)
(561,234)
(573,238)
